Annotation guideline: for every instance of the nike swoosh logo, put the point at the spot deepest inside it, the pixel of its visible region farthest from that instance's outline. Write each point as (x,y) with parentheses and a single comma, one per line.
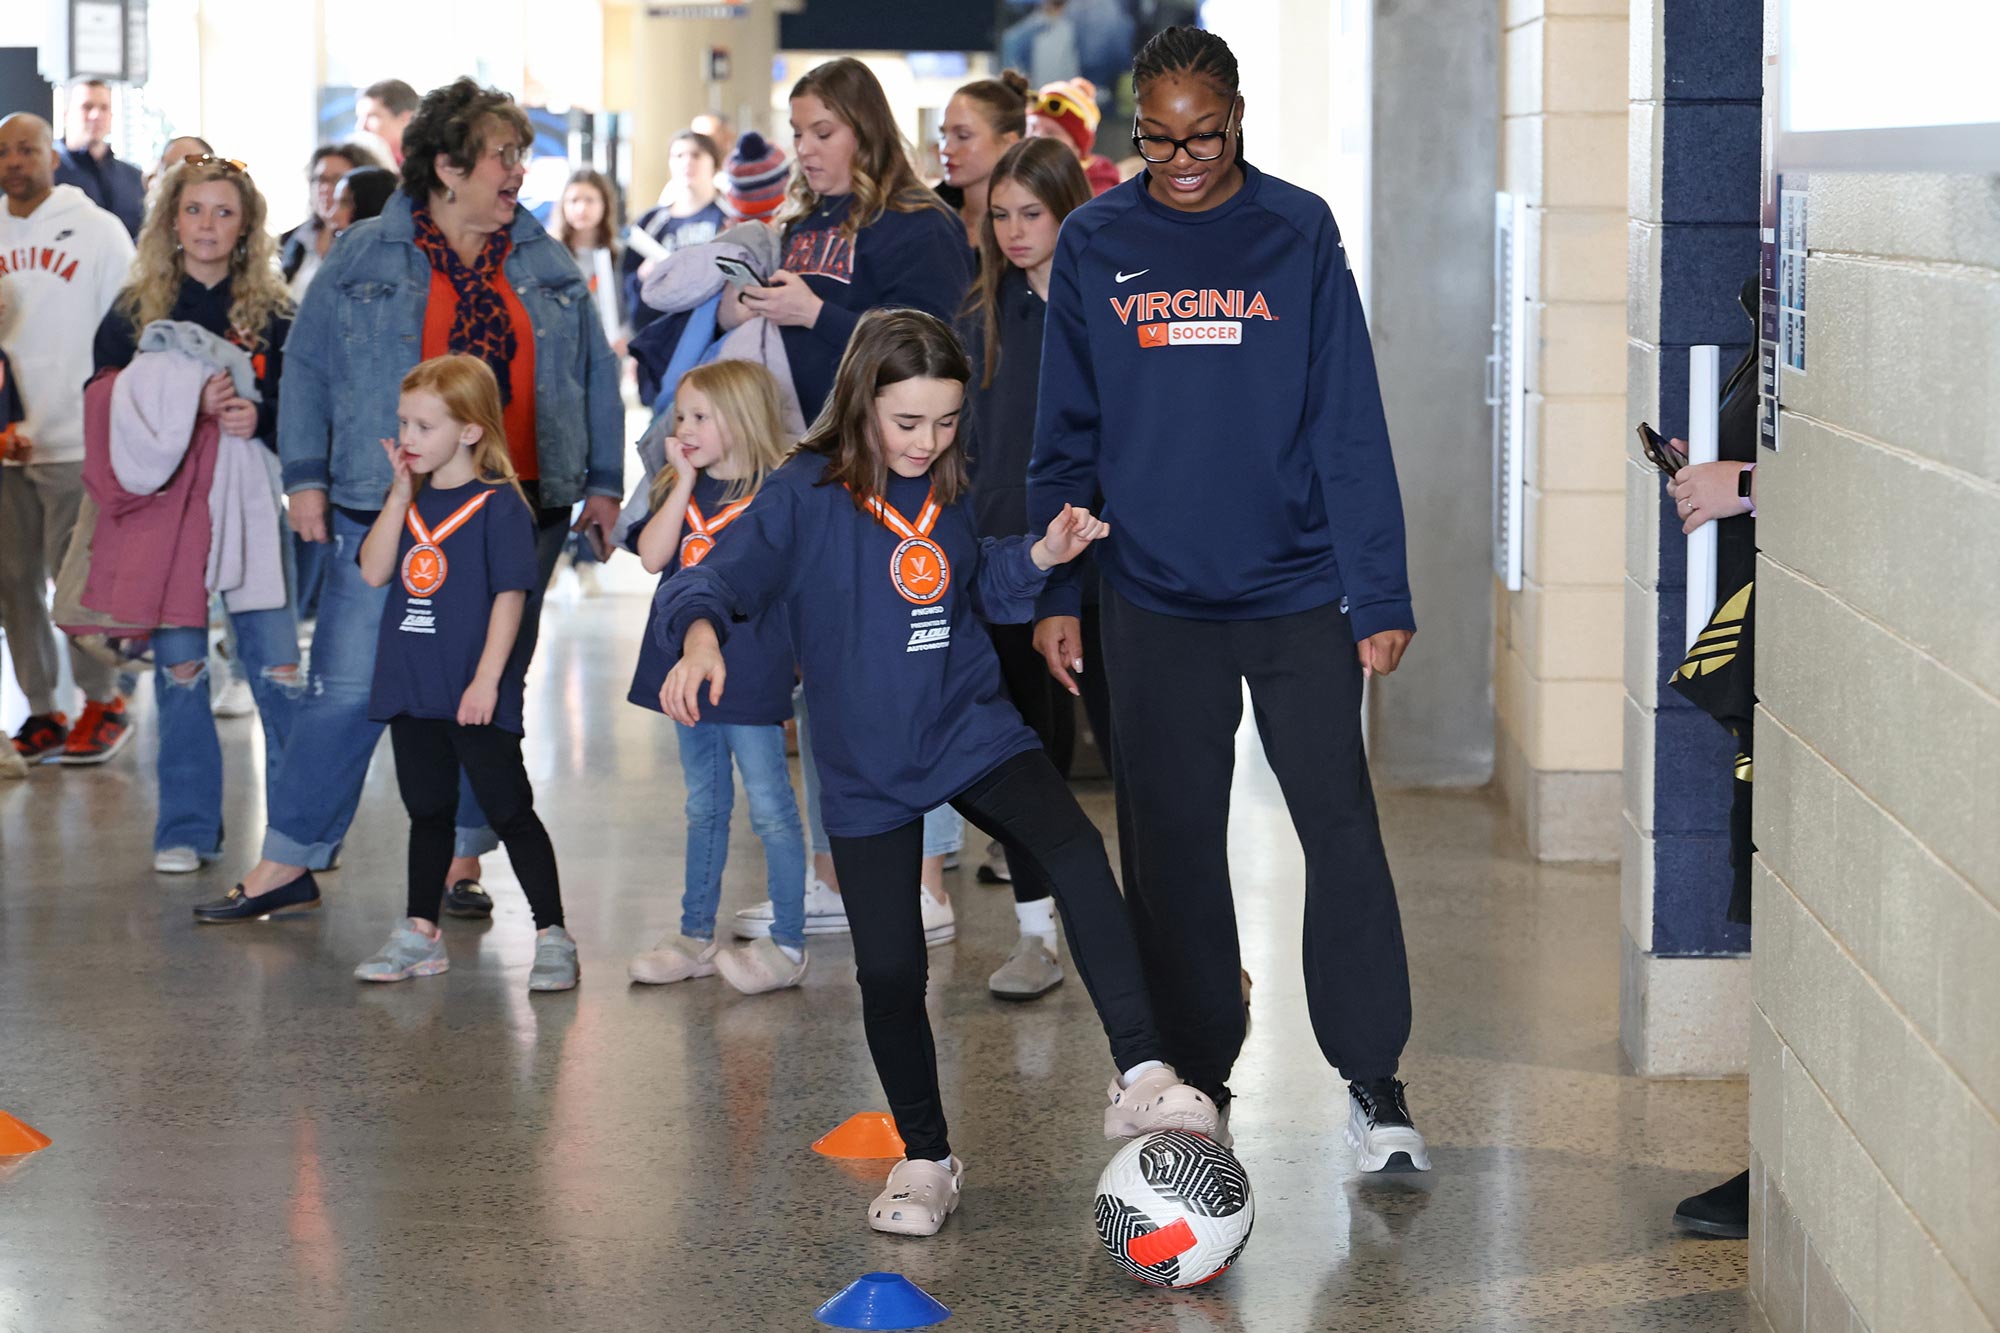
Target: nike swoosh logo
(1127,277)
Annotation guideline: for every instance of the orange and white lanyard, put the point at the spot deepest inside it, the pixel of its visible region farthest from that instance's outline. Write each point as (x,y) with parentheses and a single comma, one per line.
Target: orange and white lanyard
(457,519)
(893,519)
(700,539)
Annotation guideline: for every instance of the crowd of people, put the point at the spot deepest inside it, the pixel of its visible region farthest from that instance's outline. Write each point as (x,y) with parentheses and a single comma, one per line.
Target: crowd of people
(927,463)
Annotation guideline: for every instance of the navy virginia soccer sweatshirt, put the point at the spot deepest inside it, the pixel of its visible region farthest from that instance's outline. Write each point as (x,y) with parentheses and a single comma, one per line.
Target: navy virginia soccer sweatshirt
(1211,375)
(902,681)
(918,260)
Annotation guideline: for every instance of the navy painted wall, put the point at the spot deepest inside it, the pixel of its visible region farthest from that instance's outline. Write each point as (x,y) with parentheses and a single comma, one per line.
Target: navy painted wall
(1711,122)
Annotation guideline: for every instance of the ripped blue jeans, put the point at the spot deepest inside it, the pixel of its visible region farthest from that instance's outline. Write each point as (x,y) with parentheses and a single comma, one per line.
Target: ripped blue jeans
(190,761)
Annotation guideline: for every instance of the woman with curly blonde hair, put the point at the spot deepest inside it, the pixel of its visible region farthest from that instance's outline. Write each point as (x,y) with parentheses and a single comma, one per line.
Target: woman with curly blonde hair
(204,258)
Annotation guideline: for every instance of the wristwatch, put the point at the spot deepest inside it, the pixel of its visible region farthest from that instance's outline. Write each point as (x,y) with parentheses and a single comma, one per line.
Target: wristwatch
(1743,490)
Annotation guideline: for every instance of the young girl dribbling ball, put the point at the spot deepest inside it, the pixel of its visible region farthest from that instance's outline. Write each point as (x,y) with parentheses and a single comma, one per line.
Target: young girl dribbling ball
(861,536)
(458,539)
(728,437)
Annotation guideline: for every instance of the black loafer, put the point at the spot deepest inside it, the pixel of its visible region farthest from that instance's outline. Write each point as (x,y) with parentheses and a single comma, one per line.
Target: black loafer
(1723,1211)
(468,899)
(301,895)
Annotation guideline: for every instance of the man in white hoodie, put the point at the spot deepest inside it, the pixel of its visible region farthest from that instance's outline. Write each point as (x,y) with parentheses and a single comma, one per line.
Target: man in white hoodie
(62,263)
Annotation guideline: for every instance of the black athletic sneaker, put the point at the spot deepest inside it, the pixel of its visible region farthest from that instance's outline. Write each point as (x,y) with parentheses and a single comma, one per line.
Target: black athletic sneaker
(469,899)
(1379,1128)
(1723,1211)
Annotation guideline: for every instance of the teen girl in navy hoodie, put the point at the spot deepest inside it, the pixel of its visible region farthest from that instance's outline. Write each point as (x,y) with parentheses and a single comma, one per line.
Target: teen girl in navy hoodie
(862,538)
(1034,186)
(1206,369)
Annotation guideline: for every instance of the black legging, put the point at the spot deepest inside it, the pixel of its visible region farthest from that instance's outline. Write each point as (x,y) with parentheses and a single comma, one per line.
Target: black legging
(429,755)
(1024,803)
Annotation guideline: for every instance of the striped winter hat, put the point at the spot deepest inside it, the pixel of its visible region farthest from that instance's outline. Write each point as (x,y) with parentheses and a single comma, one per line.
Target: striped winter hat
(754,178)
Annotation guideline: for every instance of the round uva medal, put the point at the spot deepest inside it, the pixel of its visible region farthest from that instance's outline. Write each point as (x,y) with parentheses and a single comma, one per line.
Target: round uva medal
(920,571)
(424,569)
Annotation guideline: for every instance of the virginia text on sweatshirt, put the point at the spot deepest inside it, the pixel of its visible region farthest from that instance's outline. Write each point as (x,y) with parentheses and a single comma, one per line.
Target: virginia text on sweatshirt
(1210,374)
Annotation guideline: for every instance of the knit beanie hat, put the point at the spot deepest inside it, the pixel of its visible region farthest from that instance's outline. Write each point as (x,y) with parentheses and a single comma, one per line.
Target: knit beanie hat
(754,178)
(1071,104)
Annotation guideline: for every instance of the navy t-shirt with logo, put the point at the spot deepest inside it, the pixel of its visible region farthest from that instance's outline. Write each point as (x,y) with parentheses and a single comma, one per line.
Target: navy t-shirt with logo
(482,543)
(907,705)
(758,654)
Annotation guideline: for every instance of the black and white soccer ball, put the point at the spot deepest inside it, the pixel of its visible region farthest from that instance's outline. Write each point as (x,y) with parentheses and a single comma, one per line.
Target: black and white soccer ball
(1174,1208)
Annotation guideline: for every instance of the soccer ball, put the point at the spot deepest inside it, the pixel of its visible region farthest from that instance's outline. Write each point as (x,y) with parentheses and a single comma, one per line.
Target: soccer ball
(1174,1208)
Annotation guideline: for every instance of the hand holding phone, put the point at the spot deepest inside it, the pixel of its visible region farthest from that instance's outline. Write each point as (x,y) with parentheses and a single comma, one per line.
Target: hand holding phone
(1659,451)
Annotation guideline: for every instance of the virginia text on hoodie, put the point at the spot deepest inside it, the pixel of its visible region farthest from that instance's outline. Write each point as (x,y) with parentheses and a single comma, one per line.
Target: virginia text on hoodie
(61,267)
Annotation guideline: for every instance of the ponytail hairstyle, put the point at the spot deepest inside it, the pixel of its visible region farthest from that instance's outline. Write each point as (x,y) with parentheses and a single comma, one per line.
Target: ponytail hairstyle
(471,397)
(885,181)
(749,409)
(889,346)
(1003,102)
(1195,51)
(1047,169)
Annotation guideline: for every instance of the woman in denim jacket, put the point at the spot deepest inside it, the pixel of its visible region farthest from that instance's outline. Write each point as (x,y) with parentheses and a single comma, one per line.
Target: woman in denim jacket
(453,264)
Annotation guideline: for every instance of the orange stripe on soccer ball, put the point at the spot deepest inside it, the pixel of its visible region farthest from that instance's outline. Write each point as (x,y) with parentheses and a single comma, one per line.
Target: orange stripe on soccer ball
(1156,1247)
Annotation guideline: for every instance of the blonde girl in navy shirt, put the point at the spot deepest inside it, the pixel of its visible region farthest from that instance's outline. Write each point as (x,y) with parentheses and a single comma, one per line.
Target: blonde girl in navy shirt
(457,538)
(728,437)
(861,536)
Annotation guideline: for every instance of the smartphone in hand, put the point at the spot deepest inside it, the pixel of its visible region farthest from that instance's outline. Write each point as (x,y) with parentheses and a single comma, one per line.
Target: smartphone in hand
(737,273)
(1660,451)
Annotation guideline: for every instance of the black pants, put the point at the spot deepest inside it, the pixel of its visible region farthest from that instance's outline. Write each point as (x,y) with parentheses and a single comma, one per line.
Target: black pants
(429,754)
(1025,804)
(1176,699)
(1037,696)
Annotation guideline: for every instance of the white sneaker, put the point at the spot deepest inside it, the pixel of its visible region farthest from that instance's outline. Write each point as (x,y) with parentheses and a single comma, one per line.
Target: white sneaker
(826,914)
(233,699)
(675,958)
(1379,1128)
(760,966)
(176,860)
(1158,1100)
(918,1198)
(940,922)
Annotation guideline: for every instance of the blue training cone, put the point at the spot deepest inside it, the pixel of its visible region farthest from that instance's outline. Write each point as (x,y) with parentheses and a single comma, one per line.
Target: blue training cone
(882,1300)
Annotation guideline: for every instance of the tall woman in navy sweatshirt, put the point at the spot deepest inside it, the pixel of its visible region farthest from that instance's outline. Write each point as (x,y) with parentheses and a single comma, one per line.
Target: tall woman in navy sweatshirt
(862,538)
(1206,369)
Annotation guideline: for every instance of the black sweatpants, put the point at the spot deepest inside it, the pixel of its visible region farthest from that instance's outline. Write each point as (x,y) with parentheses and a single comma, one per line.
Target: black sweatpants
(1025,804)
(1176,700)
(429,754)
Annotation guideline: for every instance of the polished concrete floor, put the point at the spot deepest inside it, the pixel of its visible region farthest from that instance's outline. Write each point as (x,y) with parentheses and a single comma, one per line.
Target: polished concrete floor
(245,1138)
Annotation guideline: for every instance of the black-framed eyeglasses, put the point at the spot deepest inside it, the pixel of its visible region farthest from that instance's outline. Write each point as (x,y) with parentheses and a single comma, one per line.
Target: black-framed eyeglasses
(211,160)
(1159,149)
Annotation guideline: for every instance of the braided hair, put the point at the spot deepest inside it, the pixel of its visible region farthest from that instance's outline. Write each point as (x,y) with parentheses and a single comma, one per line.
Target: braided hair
(1188,50)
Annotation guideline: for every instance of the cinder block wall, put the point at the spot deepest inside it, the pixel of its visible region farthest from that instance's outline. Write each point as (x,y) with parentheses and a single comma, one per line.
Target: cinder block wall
(1557,673)
(1875,1045)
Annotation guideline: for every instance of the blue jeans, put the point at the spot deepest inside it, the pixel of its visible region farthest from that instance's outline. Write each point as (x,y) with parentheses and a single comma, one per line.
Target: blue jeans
(190,760)
(944,828)
(318,787)
(774,817)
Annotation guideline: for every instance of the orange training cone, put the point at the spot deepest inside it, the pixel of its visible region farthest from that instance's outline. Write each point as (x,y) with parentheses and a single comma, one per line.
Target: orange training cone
(867,1134)
(17,1138)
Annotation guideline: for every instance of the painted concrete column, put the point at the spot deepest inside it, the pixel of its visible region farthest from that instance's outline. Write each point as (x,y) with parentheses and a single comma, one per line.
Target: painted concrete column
(670,87)
(1695,127)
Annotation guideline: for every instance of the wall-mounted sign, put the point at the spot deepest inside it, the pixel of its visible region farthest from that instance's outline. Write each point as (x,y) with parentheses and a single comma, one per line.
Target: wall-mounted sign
(99,39)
